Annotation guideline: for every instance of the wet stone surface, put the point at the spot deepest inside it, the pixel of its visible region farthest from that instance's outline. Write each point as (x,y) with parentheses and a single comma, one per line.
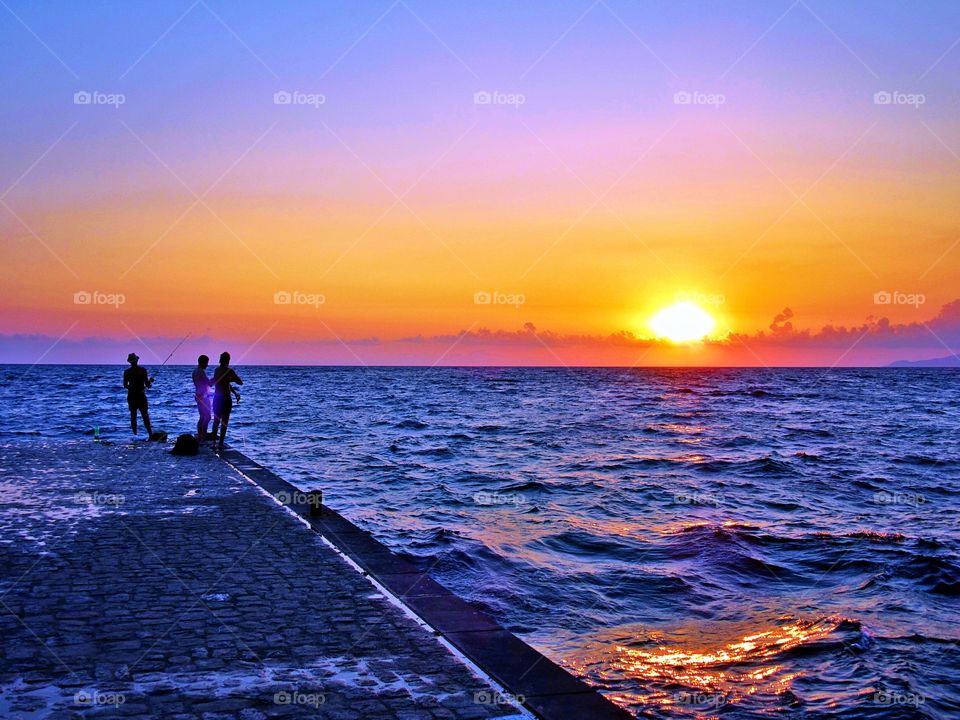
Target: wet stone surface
(137,584)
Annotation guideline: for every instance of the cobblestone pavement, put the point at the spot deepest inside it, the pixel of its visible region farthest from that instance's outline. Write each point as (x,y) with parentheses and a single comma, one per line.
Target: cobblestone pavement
(137,584)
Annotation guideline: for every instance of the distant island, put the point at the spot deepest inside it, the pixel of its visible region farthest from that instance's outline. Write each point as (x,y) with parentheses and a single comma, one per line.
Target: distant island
(950,361)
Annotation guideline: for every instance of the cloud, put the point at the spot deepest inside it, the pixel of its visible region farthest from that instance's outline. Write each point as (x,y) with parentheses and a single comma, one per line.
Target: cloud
(874,332)
(529,336)
(876,341)
(781,323)
(879,332)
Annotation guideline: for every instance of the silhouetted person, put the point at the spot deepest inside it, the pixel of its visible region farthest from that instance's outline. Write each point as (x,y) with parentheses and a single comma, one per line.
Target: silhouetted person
(202,385)
(222,400)
(136,381)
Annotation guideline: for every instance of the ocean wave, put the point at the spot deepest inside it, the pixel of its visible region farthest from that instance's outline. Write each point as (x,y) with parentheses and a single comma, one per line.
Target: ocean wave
(738,441)
(764,466)
(918,459)
(761,393)
(525,486)
(726,673)
(585,544)
(878,536)
(439,451)
(808,431)
(932,573)
(489,429)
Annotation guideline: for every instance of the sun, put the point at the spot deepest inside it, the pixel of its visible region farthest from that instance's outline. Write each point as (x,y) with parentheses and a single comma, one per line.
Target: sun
(682,322)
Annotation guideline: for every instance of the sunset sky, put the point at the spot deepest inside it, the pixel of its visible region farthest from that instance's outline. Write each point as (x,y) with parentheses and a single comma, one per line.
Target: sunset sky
(479,183)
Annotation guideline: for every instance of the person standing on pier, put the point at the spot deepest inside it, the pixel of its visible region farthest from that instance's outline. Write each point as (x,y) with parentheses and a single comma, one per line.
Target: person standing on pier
(136,380)
(202,384)
(222,400)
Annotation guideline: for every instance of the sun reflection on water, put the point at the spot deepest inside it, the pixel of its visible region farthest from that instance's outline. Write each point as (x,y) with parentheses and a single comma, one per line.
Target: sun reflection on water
(687,678)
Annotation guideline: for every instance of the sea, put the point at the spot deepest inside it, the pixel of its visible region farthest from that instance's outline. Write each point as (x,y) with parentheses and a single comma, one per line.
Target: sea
(696,543)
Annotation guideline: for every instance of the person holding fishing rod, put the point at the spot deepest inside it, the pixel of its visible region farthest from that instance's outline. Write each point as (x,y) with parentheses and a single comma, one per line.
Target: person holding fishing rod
(222,401)
(136,380)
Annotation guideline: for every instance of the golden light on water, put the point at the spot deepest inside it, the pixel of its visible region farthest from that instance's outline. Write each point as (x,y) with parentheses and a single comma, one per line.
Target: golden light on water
(682,675)
(682,322)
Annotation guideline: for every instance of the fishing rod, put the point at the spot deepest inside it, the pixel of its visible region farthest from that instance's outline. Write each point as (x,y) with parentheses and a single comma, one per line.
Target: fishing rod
(171,354)
(176,348)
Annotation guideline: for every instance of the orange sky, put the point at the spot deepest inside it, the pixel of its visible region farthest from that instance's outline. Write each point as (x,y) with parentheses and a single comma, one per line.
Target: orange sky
(198,201)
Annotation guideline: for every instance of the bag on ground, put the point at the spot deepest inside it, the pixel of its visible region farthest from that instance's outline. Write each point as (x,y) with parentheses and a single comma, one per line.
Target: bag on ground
(186,444)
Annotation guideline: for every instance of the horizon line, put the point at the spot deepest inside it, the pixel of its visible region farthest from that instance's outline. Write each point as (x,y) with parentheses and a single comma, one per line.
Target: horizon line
(912,365)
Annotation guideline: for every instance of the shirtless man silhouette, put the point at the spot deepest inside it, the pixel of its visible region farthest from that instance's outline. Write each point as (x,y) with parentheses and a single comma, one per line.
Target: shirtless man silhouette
(136,380)
(222,400)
